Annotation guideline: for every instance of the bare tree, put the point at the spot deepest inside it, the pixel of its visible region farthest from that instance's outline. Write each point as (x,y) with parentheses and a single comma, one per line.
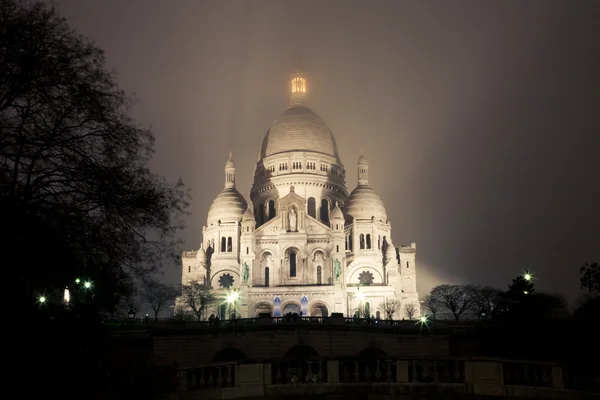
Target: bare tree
(486,301)
(390,307)
(432,305)
(157,294)
(410,310)
(198,297)
(456,298)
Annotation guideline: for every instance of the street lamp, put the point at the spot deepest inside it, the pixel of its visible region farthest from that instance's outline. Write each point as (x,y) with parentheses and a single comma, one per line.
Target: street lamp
(131,313)
(231,299)
(87,284)
(42,299)
(527,276)
(423,319)
(78,281)
(361,296)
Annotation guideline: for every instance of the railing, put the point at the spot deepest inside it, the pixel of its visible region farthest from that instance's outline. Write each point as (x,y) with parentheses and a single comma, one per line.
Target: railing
(298,371)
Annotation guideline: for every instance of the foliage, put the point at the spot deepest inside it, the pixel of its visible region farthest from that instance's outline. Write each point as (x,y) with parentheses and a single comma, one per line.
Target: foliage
(76,195)
(486,301)
(183,315)
(455,298)
(390,307)
(590,277)
(157,295)
(198,297)
(521,286)
(432,304)
(410,310)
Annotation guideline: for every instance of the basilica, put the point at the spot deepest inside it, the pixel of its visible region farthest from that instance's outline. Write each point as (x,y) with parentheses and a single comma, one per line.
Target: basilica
(302,244)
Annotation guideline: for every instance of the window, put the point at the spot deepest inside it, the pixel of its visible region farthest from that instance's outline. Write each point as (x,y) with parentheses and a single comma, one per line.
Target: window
(229,245)
(267,276)
(337,248)
(379,242)
(367,309)
(312,207)
(337,226)
(189,269)
(292,264)
(223,244)
(362,241)
(350,245)
(368,240)
(324,212)
(271,209)
(247,250)
(407,265)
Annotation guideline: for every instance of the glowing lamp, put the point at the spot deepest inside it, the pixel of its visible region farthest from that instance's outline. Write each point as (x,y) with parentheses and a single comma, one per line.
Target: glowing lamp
(360,295)
(78,281)
(423,320)
(232,297)
(87,284)
(42,299)
(527,276)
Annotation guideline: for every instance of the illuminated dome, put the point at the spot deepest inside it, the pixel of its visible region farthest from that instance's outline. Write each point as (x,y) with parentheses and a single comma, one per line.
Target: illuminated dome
(363,202)
(299,129)
(230,205)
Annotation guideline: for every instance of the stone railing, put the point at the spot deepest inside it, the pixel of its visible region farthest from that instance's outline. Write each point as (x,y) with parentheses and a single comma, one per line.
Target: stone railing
(385,376)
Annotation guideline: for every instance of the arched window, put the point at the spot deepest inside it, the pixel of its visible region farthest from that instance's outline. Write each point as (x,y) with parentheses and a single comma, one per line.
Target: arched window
(271,209)
(267,276)
(292,264)
(337,226)
(367,309)
(350,245)
(247,250)
(229,245)
(379,242)
(407,265)
(223,244)
(337,248)
(368,240)
(319,275)
(378,315)
(312,207)
(324,212)
(362,241)
(189,269)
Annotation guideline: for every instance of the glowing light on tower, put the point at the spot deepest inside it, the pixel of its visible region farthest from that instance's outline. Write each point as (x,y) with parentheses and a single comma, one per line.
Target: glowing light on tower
(299,90)
(67,296)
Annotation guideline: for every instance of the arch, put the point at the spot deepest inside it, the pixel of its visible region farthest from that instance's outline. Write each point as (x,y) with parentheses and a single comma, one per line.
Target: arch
(361,239)
(214,278)
(301,352)
(355,270)
(223,244)
(290,306)
(372,352)
(229,354)
(229,244)
(267,277)
(324,211)
(319,309)
(262,307)
(311,207)
(368,240)
(271,209)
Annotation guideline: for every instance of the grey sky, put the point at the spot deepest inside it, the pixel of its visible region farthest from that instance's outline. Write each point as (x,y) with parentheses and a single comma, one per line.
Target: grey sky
(480,119)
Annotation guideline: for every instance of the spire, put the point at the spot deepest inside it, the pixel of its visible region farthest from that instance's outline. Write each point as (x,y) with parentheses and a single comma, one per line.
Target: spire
(363,170)
(229,173)
(299,89)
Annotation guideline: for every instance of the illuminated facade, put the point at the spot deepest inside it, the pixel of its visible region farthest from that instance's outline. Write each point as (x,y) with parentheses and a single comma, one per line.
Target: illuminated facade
(302,244)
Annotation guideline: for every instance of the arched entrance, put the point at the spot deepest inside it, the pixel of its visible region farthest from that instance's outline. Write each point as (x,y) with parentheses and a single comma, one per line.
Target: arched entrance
(319,310)
(263,308)
(291,308)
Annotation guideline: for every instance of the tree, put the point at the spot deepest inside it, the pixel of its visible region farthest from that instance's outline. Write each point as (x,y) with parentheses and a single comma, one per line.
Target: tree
(410,310)
(455,298)
(590,277)
(76,194)
(390,307)
(157,294)
(487,301)
(521,286)
(198,297)
(432,304)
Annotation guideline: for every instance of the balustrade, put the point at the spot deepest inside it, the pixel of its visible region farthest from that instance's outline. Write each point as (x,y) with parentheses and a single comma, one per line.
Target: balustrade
(447,371)
(210,377)
(367,371)
(527,374)
(299,372)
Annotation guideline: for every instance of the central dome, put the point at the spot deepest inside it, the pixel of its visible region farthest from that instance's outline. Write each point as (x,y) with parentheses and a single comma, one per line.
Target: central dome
(299,129)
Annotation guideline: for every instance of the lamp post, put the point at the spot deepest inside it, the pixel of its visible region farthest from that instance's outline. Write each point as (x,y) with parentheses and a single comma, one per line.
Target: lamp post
(231,300)
(131,314)
(360,295)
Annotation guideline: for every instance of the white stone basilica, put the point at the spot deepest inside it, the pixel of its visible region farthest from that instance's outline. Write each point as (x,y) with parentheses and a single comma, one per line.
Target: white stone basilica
(302,244)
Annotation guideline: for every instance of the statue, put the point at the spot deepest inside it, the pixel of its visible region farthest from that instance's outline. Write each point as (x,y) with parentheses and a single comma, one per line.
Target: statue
(245,273)
(293,219)
(337,269)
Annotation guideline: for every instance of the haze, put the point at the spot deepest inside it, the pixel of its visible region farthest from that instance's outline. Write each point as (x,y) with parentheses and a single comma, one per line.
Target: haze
(480,120)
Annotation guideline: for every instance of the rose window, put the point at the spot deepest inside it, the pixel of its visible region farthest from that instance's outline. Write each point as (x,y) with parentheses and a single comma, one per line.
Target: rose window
(226,281)
(365,278)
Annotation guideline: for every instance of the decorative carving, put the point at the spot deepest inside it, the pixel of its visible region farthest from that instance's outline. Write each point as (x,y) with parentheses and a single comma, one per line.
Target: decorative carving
(365,278)
(245,273)
(293,219)
(226,281)
(337,269)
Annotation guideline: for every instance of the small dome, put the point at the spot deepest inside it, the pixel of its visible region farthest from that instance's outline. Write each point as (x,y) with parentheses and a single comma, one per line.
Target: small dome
(201,255)
(364,203)
(229,206)
(299,129)
(362,160)
(390,252)
(337,212)
(248,215)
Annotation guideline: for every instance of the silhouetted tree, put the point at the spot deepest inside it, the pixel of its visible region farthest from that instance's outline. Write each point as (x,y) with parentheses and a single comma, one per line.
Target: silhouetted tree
(589,303)
(157,295)
(486,301)
(198,297)
(432,304)
(410,310)
(457,299)
(76,195)
(590,277)
(521,286)
(390,307)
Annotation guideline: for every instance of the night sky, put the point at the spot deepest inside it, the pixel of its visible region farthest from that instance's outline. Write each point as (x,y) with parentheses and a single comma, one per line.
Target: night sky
(480,119)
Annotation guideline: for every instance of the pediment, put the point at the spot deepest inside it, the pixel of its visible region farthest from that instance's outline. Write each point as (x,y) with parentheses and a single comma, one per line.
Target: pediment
(292,199)
(315,227)
(270,227)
